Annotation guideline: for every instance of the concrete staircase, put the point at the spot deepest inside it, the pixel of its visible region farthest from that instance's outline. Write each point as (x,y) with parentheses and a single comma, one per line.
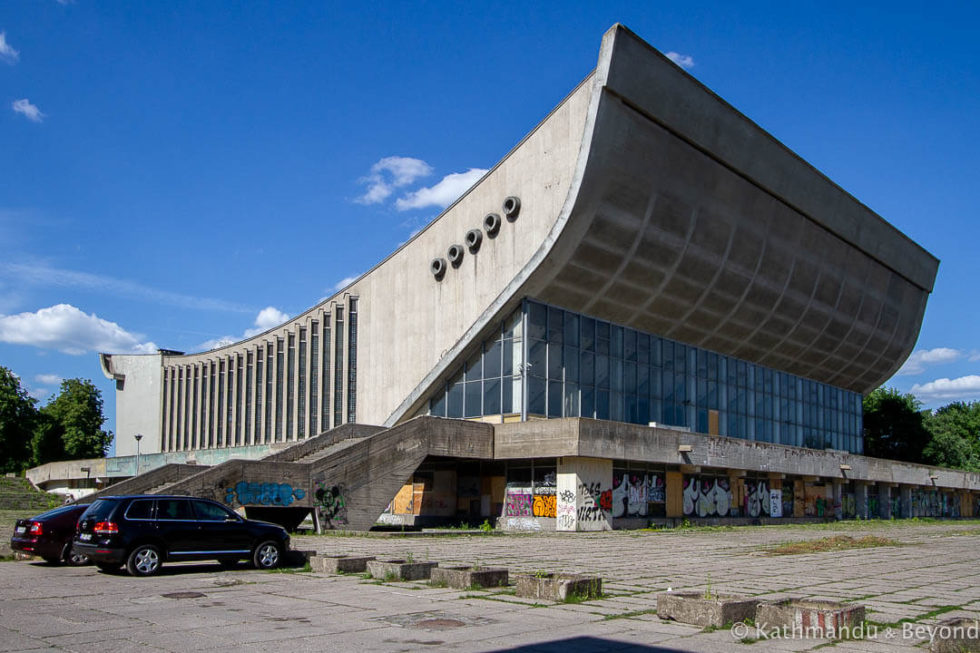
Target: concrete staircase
(352,472)
(18,494)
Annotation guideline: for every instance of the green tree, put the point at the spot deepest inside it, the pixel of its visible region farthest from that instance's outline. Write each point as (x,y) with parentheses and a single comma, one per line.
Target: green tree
(894,426)
(17,418)
(74,418)
(955,430)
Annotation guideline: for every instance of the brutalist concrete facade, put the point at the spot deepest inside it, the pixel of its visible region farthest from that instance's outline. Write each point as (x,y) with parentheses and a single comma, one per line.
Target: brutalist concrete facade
(642,200)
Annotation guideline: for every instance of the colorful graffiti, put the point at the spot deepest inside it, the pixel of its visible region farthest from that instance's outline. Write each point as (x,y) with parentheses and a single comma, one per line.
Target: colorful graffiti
(566,510)
(265,494)
(518,502)
(707,497)
(631,494)
(545,505)
(331,502)
(758,498)
(593,502)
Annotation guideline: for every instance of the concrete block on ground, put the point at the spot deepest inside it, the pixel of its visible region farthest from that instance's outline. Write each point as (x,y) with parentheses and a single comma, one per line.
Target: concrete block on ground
(695,608)
(956,636)
(340,564)
(464,577)
(808,617)
(400,569)
(558,587)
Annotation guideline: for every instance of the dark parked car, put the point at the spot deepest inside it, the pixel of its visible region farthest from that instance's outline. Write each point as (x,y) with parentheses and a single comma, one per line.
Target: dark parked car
(143,532)
(49,535)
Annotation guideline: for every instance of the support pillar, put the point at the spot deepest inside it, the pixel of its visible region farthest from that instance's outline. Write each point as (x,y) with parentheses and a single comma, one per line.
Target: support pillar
(584,501)
(884,501)
(861,500)
(838,498)
(906,493)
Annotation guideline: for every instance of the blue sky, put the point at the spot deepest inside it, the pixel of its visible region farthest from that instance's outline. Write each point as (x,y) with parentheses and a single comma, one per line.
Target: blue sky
(178,173)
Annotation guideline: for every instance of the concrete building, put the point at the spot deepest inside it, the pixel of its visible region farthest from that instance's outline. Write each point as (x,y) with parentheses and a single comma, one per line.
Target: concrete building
(655,309)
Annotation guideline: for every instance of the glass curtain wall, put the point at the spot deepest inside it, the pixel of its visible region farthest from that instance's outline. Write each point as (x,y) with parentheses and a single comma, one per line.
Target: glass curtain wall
(578,366)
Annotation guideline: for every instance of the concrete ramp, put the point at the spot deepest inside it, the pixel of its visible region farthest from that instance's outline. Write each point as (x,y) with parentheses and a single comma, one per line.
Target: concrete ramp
(350,473)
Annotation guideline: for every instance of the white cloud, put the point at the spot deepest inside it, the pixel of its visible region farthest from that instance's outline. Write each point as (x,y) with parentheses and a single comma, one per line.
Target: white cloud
(30,111)
(44,275)
(974,356)
(685,61)
(48,379)
(267,318)
(442,194)
(343,283)
(71,331)
(923,358)
(7,53)
(390,173)
(964,388)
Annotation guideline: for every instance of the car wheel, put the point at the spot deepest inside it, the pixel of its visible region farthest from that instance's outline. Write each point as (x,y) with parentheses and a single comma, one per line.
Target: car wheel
(72,558)
(144,560)
(267,555)
(108,567)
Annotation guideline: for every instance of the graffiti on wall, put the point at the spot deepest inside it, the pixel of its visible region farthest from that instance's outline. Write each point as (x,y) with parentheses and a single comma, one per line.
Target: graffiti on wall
(758,498)
(264,494)
(518,502)
(593,502)
(565,509)
(632,494)
(332,503)
(707,496)
(545,505)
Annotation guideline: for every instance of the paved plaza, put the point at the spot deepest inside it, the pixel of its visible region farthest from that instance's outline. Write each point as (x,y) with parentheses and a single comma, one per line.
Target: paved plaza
(932,577)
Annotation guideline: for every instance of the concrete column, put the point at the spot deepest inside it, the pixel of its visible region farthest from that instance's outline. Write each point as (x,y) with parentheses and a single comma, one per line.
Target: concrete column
(884,501)
(861,500)
(584,498)
(905,492)
(838,499)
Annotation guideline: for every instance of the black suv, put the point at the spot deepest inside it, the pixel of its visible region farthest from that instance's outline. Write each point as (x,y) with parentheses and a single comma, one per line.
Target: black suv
(144,531)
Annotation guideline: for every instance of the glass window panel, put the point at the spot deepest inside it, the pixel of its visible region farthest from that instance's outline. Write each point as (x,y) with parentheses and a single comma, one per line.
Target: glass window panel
(572,405)
(512,351)
(712,366)
(616,412)
(555,399)
(537,321)
(512,326)
(616,341)
(454,402)
(602,404)
(656,383)
(656,351)
(668,356)
(601,330)
(642,380)
(642,348)
(588,401)
(602,371)
(680,358)
(555,361)
(702,358)
(587,342)
(602,344)
(629,377)
(555,326)
(571,329)
(437,406)
(629,345)
(616,374)
(571,363)
(512,395)
(473,398)
(642,410)
(474,367)
(587,370)
(492,360)
(536,390)
(538,358)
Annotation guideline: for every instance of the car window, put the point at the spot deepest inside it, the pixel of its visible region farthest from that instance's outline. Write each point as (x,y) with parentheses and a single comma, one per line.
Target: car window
(140,509)
(174,509)
(207,511)
(101,509)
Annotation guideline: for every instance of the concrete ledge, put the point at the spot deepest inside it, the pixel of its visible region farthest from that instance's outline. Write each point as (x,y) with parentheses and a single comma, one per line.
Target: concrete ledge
(695,608)
(340,564)
(809,618)
(465,577)
(400,569)
(558,587)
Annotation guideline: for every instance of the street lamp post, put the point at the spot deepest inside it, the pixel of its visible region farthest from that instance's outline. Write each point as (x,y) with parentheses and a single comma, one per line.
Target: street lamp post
(138,438)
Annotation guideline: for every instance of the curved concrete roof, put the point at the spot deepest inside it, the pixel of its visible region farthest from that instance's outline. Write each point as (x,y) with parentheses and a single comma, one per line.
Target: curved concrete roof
(648,201)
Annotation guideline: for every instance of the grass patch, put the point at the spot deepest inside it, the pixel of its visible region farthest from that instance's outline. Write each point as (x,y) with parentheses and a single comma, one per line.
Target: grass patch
(832,543)
(629,615)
